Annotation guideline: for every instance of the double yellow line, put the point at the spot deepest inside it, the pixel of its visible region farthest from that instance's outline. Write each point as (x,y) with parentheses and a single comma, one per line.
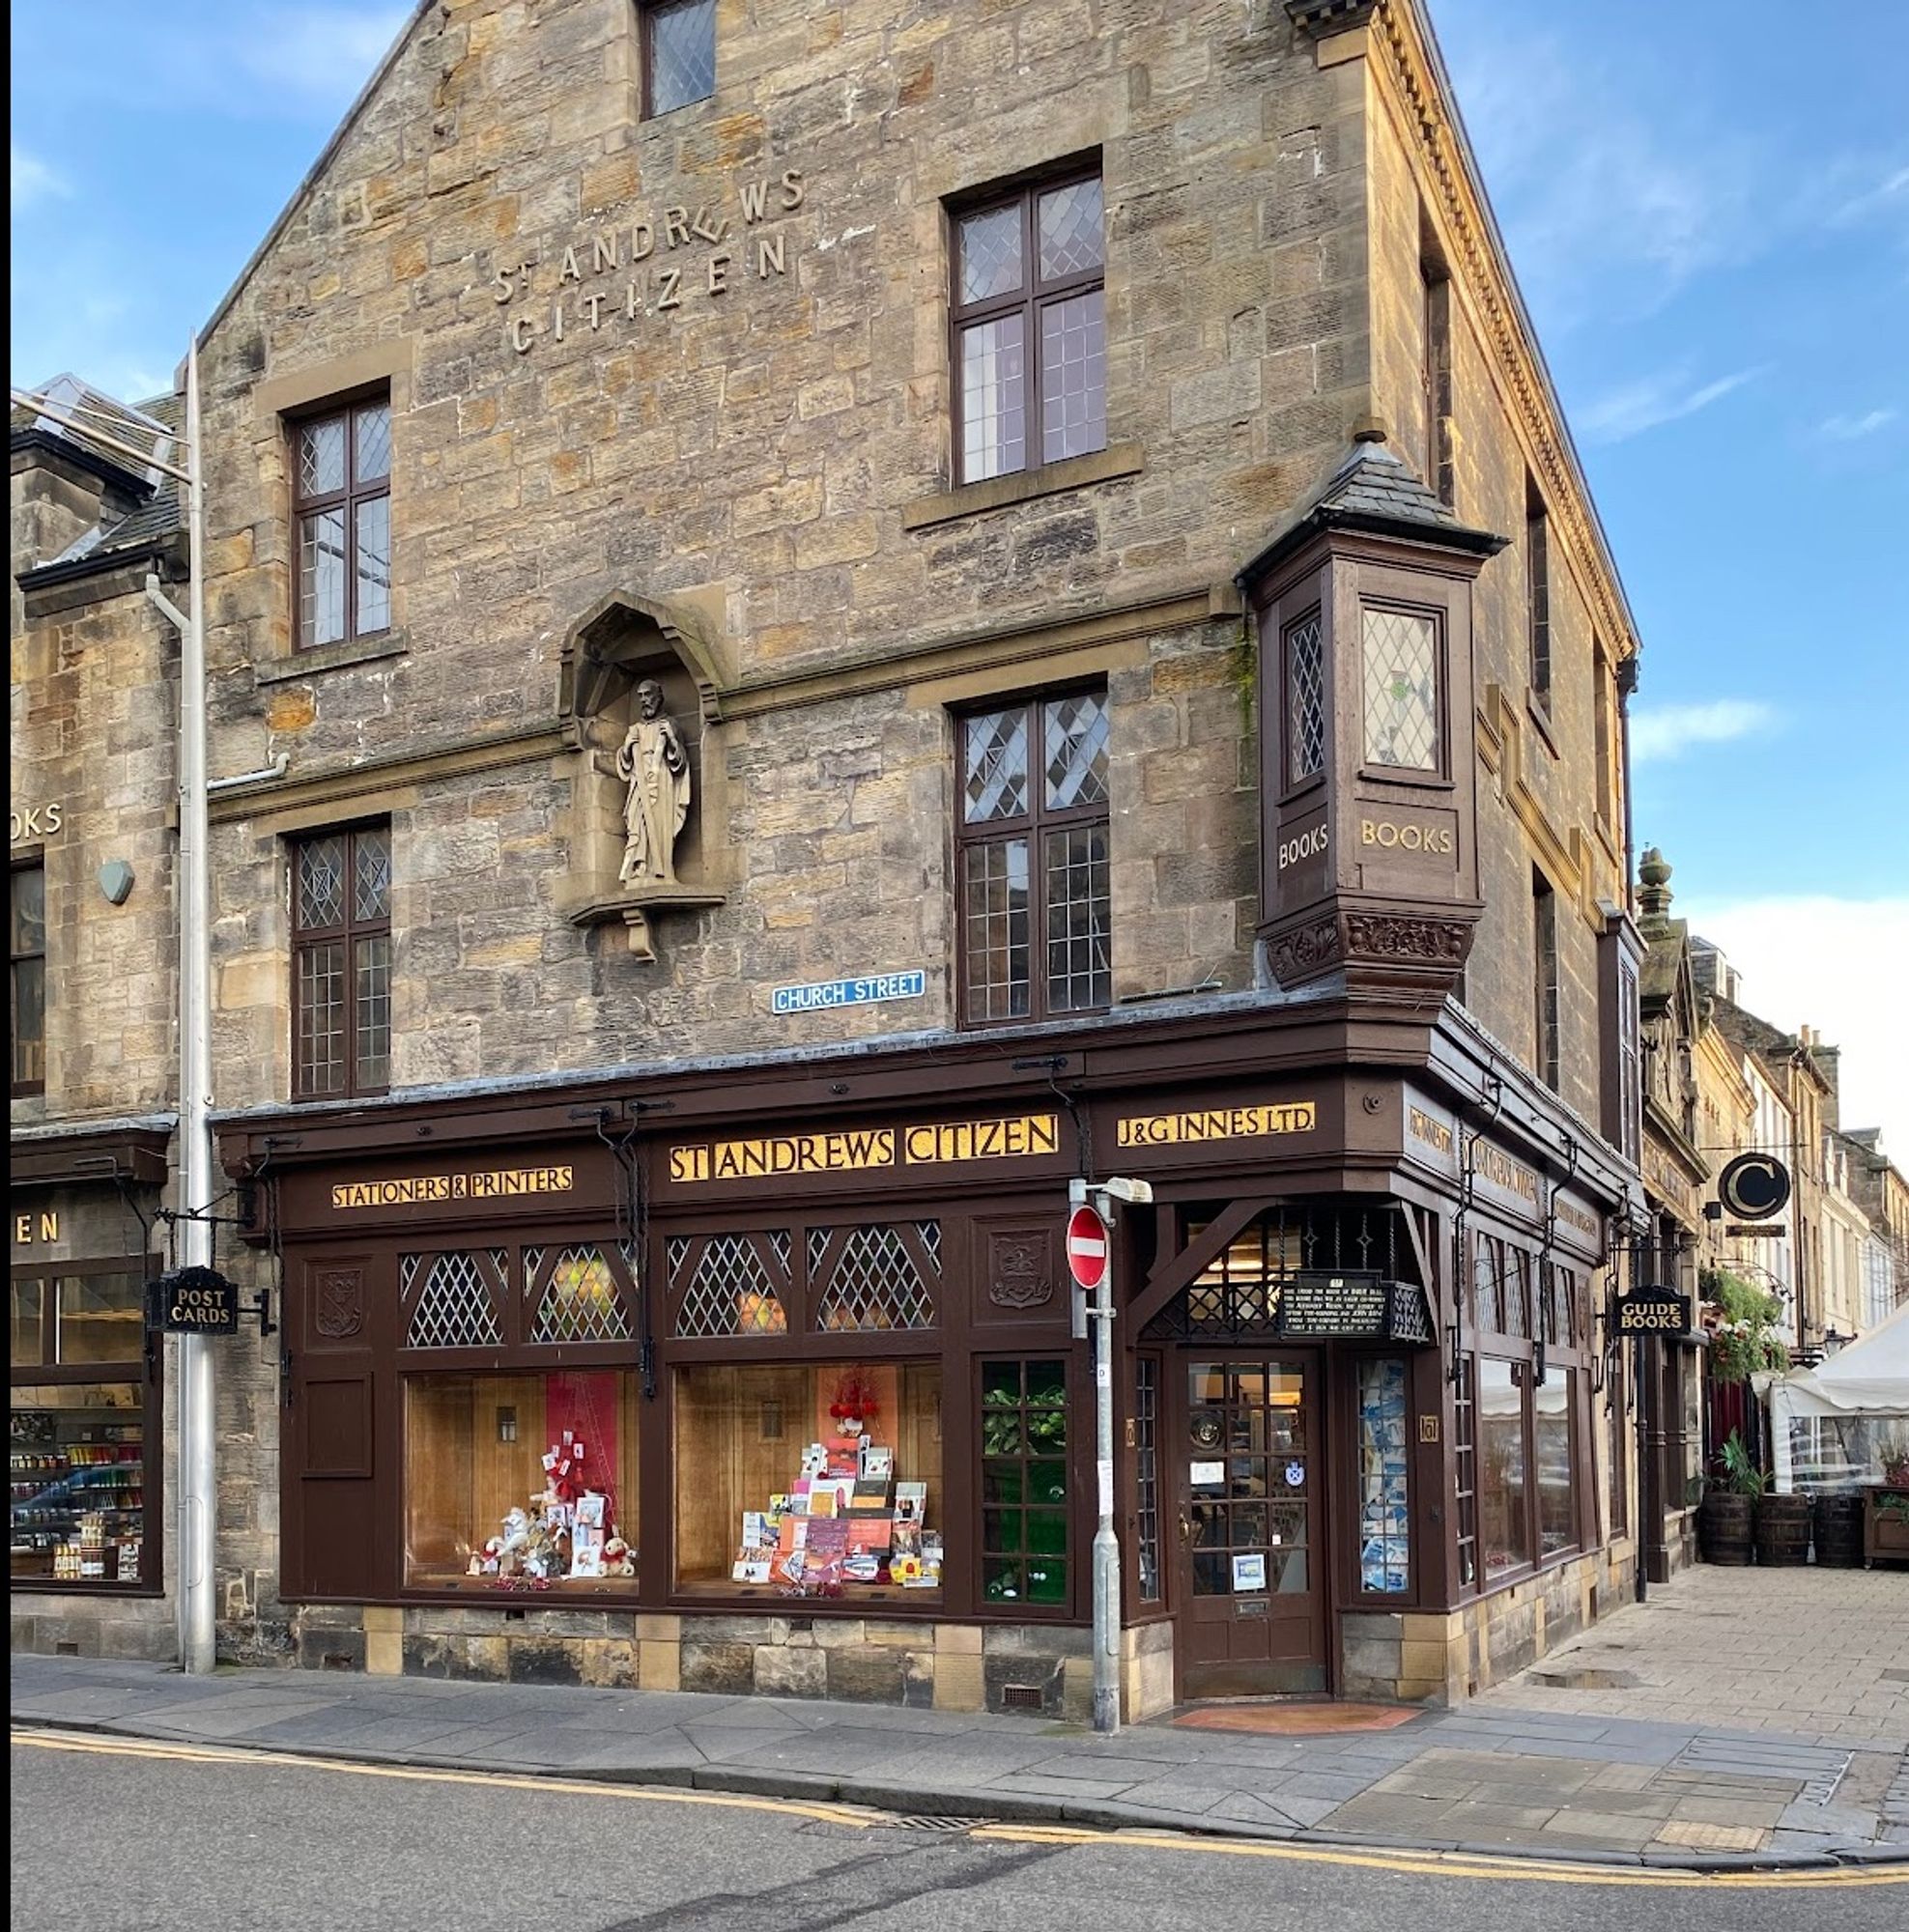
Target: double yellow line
(1429,1865)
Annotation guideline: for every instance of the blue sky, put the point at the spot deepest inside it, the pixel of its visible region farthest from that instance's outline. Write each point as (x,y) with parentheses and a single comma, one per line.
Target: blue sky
(1708,209)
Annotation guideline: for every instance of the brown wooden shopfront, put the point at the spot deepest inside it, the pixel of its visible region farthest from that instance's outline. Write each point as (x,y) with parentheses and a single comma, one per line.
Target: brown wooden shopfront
(687,1296)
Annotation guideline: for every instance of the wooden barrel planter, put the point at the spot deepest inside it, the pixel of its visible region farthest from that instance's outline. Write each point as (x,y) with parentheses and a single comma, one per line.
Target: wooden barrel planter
(1724,1527)
(1839,1530)
(1782,1529)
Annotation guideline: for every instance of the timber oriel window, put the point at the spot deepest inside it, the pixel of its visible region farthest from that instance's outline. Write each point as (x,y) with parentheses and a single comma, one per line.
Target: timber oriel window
(1033,874)
(28,946)
(1029,336)
(1305,699)
(341,963)
(679,53)
(1401,651)
(341,499)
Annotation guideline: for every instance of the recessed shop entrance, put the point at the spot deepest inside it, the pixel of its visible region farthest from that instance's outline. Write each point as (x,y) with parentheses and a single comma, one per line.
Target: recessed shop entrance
(1248,1493)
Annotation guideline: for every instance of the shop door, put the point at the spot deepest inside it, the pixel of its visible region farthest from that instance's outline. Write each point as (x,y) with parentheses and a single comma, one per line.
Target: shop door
(1250,1490)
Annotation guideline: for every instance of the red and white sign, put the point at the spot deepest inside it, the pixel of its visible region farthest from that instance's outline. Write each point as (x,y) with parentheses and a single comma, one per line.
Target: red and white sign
(1087,1247)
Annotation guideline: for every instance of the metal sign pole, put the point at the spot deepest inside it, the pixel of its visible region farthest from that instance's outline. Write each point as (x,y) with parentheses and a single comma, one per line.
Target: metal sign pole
(1106,1541)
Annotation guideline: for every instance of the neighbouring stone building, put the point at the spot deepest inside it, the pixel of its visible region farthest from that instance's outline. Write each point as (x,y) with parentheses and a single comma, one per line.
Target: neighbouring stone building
(92,806)
(824,621)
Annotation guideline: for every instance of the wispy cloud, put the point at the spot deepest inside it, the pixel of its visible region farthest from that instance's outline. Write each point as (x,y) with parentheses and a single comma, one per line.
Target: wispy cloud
(1835,964)
(1607,206)
(1887,196)
(1636,406)
(1851,429)
(319,51)
(1675,728)
(34,181)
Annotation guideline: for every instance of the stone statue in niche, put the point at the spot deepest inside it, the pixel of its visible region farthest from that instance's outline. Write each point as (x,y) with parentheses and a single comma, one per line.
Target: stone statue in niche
(654,763)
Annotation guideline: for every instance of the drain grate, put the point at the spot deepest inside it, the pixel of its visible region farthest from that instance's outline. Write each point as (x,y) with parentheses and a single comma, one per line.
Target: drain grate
(928,1821)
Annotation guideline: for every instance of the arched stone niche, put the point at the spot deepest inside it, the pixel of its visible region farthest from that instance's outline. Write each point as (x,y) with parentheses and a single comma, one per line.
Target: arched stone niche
(621,642)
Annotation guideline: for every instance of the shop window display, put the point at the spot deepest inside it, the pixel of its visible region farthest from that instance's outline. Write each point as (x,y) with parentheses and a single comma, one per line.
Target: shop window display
(1024,1483)
(521,1481)
(1503,1524)
(809,1480)
(1551,1425)
(77,1464)
(1385,1524)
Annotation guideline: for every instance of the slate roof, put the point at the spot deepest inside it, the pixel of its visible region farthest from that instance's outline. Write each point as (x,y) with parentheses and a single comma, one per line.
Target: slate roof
(1375,491)
(153,425)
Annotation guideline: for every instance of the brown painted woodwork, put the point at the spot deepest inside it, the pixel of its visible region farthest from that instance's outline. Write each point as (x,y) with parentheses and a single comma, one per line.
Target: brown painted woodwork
(1252,1642)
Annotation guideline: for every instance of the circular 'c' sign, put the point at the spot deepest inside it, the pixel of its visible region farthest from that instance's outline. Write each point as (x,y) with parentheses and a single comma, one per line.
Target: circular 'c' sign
(1754,1187)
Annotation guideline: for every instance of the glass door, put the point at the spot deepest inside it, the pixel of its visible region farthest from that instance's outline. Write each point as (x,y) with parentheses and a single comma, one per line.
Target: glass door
(1248,1481)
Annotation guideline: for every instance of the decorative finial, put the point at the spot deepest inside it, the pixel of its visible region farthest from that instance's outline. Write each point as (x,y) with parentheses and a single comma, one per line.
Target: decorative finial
(1654,880)
(1369,429)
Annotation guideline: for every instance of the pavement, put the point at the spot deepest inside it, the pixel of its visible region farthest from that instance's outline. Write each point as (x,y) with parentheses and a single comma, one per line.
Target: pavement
(1612,1750)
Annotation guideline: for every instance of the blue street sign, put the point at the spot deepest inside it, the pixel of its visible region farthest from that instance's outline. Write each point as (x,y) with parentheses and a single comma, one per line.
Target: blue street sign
(848,992)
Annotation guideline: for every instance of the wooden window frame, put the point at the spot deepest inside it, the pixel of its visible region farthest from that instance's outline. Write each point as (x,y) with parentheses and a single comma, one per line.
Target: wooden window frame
(1547,1010)
(342,409)
(27,862)
(146,1371)
(1537,591)
(1032,825)
(1439,773)
(346,934)
(1033,295)
(1435,379)
(646,11)
(1293,782)
(1070,1508)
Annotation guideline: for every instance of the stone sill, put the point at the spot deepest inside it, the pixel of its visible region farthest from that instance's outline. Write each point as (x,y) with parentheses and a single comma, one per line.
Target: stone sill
(332,657)
(1021,486)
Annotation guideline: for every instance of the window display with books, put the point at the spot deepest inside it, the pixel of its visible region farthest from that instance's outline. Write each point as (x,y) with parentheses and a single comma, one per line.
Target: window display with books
(82,1495)
(521,1482)
(809,1481)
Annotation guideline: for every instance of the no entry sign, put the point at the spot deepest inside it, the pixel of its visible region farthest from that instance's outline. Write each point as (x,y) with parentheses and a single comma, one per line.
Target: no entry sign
(1087,1247)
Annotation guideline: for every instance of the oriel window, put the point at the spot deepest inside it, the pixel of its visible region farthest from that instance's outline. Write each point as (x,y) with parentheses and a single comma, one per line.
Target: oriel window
(28,946)
(341,491)
(341,963)
(679,53)
(1401,653)
(1305,699)
(1033,874)
(1030,328)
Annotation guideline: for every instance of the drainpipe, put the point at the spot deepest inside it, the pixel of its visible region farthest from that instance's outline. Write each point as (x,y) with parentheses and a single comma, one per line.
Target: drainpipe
(198,1487)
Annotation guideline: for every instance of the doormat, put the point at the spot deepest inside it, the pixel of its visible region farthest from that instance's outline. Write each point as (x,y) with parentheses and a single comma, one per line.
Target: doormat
(1282,1720)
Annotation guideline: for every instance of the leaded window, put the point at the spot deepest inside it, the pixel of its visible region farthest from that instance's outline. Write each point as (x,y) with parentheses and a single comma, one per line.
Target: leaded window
(1034,899)
(728,1284)
(28,946)
(341,963)
(1030,328)
(873,1278)
(1305,699)
(341,498)
(1400,650)
(679,53)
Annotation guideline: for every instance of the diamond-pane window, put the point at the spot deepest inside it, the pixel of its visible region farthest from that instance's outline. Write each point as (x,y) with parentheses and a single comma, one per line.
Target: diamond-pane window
(580,1302)
(929,1234)
(1035,861)
(455,1308)
(875,1284)
(996,764)
(991,256)
(1071,223)
(1305,699)
(1030,327)
(1401,664)
(730,1291)
(341,968)
(341,502)
(1076,744)
(679,52)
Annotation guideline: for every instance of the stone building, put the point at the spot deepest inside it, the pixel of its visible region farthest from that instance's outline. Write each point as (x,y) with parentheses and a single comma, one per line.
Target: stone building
(1879,1187)
(1676,1168)
(864,616)
(93,730)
